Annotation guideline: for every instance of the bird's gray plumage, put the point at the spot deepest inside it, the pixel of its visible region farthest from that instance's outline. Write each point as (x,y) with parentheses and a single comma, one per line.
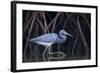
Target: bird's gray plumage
(46,38)
(51,38)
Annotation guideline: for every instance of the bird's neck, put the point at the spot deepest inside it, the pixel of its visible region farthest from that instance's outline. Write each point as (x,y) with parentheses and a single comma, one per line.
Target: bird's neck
(61,36)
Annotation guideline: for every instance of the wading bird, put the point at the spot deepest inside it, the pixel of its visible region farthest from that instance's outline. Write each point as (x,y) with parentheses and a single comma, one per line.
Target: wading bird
(51,38)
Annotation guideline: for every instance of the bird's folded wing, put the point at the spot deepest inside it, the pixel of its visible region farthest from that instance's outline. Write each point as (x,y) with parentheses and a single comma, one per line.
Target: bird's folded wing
(49,38)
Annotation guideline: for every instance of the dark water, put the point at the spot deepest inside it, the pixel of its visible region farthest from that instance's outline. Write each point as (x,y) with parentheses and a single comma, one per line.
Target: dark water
(35,23)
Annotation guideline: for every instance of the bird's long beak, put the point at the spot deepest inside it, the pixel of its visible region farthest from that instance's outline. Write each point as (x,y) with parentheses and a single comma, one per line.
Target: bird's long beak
(68,34)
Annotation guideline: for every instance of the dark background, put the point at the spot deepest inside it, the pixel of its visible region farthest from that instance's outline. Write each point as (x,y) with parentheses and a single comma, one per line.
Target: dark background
(37,23)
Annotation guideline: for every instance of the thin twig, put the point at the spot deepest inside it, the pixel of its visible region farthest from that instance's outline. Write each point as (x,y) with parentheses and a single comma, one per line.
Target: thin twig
(86,20)
(67,20)
(82,36)
(55,18)
(49,16)
(60,21)
(41,25)
(27,24)
(54,24)
(45,22)
(26,17)
(32,24)
(75,43)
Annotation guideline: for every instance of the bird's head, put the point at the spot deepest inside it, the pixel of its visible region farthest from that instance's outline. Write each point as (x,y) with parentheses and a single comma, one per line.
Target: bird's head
(65,33)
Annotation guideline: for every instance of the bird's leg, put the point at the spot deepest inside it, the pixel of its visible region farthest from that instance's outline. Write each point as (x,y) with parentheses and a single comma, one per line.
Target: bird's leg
(58,50)
(45,50)
(44,53)
(49,50)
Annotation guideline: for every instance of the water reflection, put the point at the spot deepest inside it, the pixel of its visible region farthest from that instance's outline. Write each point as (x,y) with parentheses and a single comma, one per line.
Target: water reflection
(54,56)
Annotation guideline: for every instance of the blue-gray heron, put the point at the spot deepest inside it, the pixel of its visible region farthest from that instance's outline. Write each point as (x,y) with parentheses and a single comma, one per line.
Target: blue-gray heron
(51,38)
